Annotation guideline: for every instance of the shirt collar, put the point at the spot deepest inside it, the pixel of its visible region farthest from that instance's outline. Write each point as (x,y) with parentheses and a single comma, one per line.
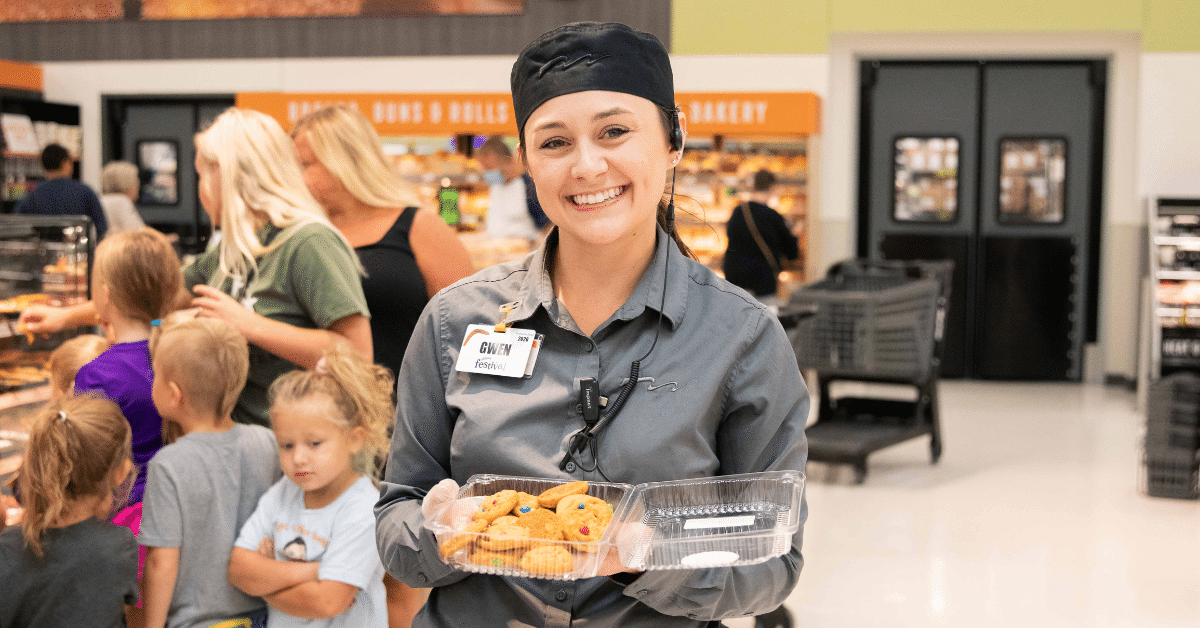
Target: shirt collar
(538,290)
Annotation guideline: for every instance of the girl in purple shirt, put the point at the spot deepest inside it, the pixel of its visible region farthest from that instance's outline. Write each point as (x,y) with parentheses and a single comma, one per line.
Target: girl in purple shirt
(135,279)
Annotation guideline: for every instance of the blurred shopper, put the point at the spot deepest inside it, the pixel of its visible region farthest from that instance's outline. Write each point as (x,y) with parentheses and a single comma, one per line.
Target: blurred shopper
(613,296)
(119,183)
(759,241)
(513,209)
(282,275)
(61,195)
(408,253)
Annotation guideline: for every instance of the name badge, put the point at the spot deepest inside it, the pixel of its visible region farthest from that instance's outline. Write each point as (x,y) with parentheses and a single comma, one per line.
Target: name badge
(510,353)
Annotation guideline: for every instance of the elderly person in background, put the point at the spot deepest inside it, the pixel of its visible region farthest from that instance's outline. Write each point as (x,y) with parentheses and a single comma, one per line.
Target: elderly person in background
(120,185)
(513,209)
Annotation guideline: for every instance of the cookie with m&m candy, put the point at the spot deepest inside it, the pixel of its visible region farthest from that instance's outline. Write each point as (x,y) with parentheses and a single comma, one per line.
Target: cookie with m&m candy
(492,558)
(525,503)
(584,518)
(496,506)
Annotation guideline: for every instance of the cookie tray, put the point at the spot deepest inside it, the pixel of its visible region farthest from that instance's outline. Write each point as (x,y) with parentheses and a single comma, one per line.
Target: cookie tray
(684,524)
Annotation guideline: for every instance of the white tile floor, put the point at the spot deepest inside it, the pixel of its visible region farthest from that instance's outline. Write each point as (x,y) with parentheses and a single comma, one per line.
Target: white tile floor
(1032,518)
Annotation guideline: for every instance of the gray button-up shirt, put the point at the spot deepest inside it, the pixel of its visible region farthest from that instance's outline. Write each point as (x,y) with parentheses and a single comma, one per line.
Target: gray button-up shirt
(720,394)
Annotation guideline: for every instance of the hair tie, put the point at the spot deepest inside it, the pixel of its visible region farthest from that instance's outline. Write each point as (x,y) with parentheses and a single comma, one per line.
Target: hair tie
(62,416)
(321,367)
(156,322)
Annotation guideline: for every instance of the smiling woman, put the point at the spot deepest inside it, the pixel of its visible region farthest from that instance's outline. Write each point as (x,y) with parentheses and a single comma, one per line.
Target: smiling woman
(618,306)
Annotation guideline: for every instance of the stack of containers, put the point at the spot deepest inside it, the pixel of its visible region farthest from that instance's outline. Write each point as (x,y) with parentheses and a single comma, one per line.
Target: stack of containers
(1171,463)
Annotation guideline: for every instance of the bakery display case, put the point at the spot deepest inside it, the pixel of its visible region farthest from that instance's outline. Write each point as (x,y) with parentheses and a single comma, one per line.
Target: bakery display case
(716,175)
(452,181)
(43,260)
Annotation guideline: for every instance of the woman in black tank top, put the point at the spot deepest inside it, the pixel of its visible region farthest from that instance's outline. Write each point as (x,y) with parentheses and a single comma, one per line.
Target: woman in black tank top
(408,253)
(395,290)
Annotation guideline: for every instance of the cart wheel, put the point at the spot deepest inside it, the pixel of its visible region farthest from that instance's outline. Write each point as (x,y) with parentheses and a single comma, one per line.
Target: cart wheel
(778,618)
(860,473)
(935,451)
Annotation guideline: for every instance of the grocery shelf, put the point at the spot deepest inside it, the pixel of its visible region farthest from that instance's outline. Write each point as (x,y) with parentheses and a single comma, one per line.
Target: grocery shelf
(1158,346)
(1186,275)
(1175,312)
(1164,239)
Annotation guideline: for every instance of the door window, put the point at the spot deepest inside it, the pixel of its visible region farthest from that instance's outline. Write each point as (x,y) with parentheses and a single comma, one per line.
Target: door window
(1033,172)
(158,162)
(926,179)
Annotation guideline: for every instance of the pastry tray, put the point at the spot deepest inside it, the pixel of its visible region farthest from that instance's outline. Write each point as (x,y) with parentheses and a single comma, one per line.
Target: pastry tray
(718,521)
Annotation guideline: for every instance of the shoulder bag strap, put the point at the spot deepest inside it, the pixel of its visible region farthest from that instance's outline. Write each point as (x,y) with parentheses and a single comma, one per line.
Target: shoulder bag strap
(758,239)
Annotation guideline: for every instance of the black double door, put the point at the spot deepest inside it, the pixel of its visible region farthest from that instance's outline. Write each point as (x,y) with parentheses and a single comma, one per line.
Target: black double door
(997,166)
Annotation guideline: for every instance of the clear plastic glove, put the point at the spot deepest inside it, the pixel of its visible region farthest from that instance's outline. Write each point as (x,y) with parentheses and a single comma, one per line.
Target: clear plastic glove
(436,499)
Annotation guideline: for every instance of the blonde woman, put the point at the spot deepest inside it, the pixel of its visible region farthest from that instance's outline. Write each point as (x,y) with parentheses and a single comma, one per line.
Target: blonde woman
(408,253)
(282,275)
(119,183)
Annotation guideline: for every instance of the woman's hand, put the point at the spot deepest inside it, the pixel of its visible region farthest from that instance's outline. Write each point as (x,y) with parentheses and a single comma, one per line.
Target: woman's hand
(612,564)
(43,319)
(436,499)
(626,534)
(216,304)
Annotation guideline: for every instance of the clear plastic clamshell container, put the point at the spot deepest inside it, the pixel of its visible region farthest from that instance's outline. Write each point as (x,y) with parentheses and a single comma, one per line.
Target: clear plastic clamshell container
(710,522)
(482,552)
(684,524)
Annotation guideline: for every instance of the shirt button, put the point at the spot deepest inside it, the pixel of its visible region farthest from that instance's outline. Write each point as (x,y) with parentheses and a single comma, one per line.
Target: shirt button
(561,596)
(570,469)
(422,577)
(642,593)
(579,408)
(588,347)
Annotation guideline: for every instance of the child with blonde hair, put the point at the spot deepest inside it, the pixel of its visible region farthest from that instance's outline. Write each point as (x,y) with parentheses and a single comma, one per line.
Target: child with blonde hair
(203,487)
(309,548)
(66,565)
(135,281)
(68,358)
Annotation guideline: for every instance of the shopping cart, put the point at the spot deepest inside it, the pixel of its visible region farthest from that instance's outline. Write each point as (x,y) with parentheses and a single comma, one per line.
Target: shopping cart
(873,323)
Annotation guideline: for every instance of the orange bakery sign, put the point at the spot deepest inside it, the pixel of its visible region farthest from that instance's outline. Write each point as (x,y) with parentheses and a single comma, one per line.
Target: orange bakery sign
(715,113)
(398,114)
(22,76)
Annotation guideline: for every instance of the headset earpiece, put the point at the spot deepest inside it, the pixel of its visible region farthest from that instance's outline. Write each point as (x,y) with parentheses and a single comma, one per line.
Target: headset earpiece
(676,132)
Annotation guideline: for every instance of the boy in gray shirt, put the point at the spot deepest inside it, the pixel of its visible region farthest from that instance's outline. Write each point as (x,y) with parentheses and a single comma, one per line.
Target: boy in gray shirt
(204,486)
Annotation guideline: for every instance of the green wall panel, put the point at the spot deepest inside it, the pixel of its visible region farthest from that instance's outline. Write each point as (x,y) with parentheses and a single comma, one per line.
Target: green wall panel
(749,27)
(803,26)
(984,15)
(1171,26)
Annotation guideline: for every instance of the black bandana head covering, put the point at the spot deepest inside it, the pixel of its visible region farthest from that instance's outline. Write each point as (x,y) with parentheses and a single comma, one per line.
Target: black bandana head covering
(587,56)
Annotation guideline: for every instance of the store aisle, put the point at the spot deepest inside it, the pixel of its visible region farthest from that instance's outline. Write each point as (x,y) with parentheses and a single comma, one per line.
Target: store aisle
(1032,518)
